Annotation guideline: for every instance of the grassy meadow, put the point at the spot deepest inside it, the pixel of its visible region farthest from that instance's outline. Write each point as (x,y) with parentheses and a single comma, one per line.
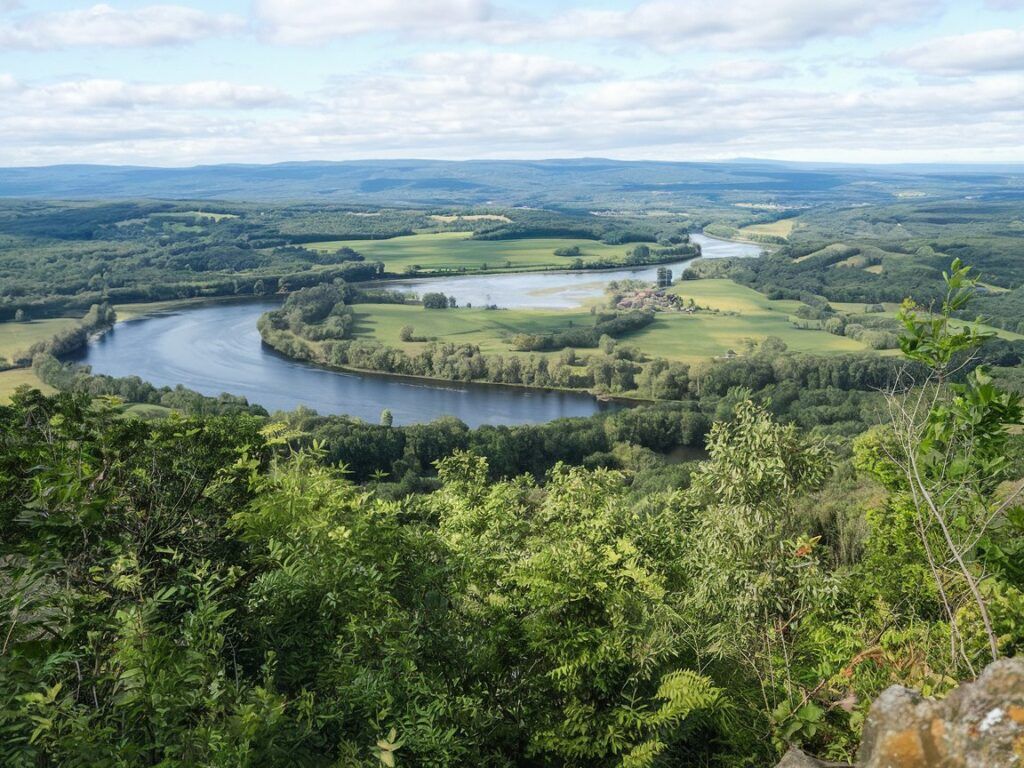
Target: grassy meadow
(492,330)
(145,411)
(18,337)
(742,314)
(14,378)
(780,228)
(452,251)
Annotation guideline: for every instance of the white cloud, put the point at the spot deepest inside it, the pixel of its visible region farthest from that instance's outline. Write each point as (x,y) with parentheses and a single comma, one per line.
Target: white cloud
(298,21)
(748,70)
(991,50)
(666,24)
(104,25)
(487,69)
(117,95)
(473,98)
(440,112)
(736,24)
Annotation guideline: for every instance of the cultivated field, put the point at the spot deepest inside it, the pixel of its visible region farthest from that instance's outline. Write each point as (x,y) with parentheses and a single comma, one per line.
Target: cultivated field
(743,314)
(780,228)
(492,330)
(14,378)
(203,215)
(18,337)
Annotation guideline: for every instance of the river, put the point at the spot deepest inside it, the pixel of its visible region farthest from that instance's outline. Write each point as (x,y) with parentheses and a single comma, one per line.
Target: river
(557,290)
(215,347)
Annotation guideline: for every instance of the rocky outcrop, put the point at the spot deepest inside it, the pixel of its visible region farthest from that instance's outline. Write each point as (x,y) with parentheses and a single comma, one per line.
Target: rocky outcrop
(979,725)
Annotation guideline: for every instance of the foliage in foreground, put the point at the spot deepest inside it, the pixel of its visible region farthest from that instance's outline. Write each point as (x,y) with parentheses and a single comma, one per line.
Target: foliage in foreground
(191,592)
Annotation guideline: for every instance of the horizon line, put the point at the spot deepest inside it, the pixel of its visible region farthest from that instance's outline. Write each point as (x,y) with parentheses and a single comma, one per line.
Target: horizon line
(546,159)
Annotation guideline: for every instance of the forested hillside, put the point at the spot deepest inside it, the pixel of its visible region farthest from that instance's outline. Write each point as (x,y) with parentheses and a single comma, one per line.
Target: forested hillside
(218,590)
(565,183)
(885,252)
(60,257)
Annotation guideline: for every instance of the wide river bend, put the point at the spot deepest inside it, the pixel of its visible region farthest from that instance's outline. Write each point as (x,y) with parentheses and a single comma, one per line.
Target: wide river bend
(214,347)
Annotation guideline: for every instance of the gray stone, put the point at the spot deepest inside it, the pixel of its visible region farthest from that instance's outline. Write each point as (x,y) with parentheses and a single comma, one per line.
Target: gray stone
(979,725)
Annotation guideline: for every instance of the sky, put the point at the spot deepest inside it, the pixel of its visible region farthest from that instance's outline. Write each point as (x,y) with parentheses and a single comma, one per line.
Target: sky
(261,81)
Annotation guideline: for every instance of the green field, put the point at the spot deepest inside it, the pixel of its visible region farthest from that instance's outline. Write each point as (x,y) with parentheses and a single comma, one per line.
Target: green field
(146,411)
(743,314)
(198,214)
(14,378)
(18,337)
(490,329)
(451,251)
(780,228)
(692,337)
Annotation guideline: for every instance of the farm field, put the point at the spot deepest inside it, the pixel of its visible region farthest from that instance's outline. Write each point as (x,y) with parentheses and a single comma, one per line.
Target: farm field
(18,337)
(14,378)
(742,314)
(490,329)
(445,251)
(780,228)
(145,411)
(689,338)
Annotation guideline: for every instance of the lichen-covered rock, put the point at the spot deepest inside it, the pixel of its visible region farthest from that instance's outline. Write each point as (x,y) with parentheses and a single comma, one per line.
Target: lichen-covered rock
(979,725)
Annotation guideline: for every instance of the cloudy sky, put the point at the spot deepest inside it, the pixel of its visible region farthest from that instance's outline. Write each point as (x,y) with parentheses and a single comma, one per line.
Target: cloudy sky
(180,83)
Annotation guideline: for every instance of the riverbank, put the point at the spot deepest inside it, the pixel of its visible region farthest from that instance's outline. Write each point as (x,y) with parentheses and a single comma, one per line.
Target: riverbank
(131,310)
(552,349)
(766,241)
(50,338)
(436,381)
(216,348)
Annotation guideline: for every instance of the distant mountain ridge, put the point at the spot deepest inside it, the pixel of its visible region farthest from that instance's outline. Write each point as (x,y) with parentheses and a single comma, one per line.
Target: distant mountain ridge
(572,183)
